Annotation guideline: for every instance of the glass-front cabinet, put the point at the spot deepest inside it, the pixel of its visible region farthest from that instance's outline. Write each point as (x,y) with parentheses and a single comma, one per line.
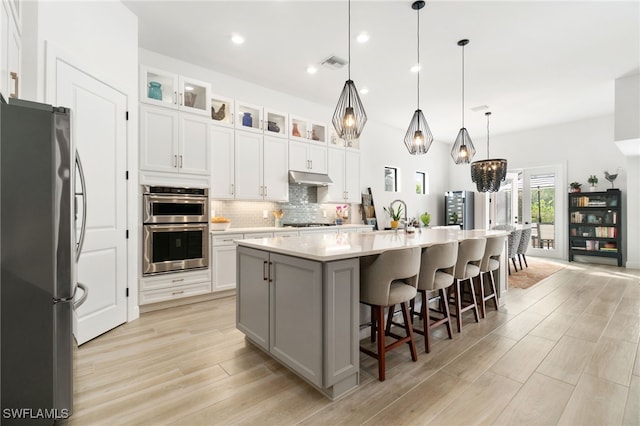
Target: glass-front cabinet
(594,224)
(163,88)
(303,129)
(275,123)
(222,110)
(248,117)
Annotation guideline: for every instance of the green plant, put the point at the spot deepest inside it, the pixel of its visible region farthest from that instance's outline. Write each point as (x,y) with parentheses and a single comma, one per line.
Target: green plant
(575,185)
(425,218)
(394,214)
(593,180)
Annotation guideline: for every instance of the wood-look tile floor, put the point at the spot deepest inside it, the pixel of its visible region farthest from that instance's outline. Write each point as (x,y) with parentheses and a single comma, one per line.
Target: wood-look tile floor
(565,351)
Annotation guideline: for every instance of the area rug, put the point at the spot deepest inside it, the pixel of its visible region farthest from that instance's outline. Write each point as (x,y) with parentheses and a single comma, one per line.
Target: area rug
(538,270)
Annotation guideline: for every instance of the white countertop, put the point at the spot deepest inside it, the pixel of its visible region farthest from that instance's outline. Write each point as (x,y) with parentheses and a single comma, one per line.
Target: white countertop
(329,247)
(286,228)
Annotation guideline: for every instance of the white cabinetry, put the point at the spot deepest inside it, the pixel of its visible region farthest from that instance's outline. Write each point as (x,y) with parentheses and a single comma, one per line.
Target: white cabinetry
(344,171)
(222,184)
(307,157)
(170,90)
(223,261)
(173,142)
(164,287)
(254,118)
(10,49)
(261,167)
(303,129)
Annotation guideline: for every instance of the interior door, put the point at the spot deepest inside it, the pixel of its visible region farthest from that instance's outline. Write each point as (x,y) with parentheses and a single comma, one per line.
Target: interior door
(98,127)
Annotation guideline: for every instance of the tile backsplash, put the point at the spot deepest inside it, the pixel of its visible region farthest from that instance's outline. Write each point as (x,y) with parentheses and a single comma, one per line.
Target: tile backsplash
(303,206)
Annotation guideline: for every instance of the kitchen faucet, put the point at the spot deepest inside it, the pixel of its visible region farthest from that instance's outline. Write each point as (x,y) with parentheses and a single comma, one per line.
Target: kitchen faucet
(404,205)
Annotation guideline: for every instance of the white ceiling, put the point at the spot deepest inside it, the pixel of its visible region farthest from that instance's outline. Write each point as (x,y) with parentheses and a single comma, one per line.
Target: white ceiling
(533,63)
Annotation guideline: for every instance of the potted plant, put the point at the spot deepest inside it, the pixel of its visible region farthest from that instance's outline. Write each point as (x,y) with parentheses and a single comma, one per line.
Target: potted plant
(593,181)
(395,215)
(575,186)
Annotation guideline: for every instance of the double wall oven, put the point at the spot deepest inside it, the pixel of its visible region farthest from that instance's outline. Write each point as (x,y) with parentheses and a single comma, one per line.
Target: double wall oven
(175,229)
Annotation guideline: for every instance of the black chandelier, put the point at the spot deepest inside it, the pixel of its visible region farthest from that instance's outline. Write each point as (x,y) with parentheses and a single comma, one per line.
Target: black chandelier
(418,138)
(488,174)
(463,149)
(349,117)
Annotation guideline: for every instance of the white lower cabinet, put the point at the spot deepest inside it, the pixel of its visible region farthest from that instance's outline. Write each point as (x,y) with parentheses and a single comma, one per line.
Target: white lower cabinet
(223,261)
(280,305)
(344,171)
(164,287)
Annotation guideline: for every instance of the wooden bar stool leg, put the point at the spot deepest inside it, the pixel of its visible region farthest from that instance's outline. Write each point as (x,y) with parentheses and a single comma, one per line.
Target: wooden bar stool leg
(392,310)
(381,345)
(482,305)
(473,298)
(493,288)
(409,329)
(443,296)
(374,319)
(458,300)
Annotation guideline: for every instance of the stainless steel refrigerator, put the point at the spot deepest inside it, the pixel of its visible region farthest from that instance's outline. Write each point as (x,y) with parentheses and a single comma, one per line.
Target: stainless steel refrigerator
(38,250)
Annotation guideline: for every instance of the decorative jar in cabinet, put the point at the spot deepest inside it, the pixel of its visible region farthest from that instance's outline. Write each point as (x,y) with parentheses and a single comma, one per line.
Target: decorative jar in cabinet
(249,117)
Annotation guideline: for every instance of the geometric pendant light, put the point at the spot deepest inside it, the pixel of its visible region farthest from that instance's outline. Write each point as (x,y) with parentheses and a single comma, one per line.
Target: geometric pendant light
(418,138)
(489,173)
(463,149)
(349,117)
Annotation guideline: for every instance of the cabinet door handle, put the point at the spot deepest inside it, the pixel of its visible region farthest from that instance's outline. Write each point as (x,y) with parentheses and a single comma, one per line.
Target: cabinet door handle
(177,292)
(232,189)
(177,280)
(262,125)
(175,97)
(270,274)
(180,160)
(265,191)
(180,98)
(311,164)
(264,270)
(175,161)
(14,77)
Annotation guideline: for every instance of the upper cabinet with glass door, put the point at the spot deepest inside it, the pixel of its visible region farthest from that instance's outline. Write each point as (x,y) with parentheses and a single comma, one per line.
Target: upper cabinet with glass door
(335,141)
(222,110)
(303,129)
(275,123)
(171,90)
(248,117)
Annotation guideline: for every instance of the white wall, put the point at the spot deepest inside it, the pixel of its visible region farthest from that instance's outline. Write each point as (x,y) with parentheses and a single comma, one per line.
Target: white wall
(101,38)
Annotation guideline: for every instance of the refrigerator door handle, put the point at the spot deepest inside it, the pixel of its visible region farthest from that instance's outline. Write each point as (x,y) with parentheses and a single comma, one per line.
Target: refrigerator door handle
(83,193)
(85,293)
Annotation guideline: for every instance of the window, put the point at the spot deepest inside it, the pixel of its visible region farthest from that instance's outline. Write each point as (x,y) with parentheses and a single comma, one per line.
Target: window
(421,183)
(390,179)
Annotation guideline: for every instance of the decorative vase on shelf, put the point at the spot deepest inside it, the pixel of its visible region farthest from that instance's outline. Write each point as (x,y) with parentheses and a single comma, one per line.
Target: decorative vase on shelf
(593,188)
(247,119)
(295,131)
(155,90)
(314,135)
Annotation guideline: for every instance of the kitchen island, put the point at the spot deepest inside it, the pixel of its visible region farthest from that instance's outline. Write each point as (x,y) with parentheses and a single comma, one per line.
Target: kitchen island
(298,298)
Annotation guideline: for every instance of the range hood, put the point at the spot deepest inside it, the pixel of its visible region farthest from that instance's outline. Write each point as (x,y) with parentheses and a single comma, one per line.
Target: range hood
(306,178)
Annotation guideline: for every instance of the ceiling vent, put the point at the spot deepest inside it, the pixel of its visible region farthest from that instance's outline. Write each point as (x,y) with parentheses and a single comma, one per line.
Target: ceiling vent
(334,62)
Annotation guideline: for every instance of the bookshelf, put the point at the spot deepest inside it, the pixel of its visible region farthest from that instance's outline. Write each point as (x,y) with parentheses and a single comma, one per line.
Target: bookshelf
(594,224)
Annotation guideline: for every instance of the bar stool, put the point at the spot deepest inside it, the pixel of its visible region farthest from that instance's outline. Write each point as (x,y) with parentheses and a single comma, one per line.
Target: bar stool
(387,280)
(490,262)
(523,245)
(470,252)
(436,276)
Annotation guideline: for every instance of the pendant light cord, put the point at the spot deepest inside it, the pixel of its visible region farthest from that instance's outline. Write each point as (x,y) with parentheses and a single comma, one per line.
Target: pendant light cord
(463,86)
(487,114)
(419,66)
(349,40)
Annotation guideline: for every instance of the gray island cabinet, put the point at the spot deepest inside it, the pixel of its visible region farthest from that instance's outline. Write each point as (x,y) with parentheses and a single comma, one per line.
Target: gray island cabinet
(298,298)
(304,313)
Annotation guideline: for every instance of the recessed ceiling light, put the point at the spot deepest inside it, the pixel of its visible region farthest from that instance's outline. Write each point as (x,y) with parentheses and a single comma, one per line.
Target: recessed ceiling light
(415,68)
(237,39)
(364,90)
(312,69)
(362,37)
